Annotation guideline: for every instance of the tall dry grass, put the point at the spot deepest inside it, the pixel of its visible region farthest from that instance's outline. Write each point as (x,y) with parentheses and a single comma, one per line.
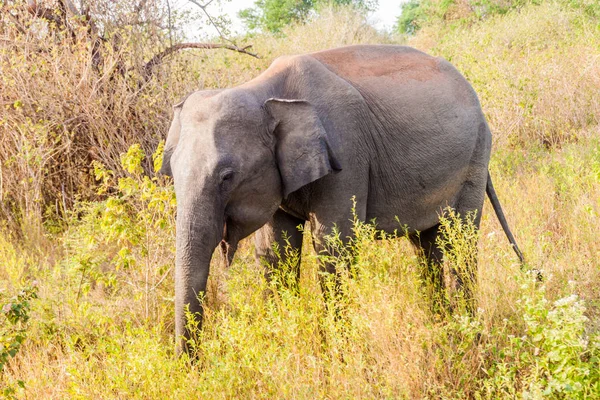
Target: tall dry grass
(70,97)
(536,71)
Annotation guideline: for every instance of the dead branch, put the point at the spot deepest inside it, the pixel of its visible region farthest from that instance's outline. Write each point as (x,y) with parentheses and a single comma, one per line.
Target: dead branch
(156,60)
(71,7)
(210,19)
(15,21)
(40,11)
(60,16)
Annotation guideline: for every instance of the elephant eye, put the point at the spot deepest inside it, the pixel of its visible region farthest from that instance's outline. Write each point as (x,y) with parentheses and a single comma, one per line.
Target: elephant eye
(226,175)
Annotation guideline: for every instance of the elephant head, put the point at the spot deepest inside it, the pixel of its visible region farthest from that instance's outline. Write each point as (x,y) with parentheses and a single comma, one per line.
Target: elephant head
(233,158)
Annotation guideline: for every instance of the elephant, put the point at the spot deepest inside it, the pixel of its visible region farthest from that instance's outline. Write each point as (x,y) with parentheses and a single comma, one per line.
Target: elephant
(396,131)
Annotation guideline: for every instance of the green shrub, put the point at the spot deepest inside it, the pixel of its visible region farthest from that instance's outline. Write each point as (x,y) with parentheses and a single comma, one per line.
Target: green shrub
(417,14)
(551,356)
(128,236)
(14,317)
(274,15)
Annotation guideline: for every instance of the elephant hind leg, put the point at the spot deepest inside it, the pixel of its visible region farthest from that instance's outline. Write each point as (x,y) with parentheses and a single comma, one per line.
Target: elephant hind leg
(464,267)
(432,274)
(281,231)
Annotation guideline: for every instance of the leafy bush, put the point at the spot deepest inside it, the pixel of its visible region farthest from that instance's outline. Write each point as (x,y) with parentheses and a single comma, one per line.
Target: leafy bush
(129,236)
(14,316)
(274,15)
(409,21)
(553,356)
(416,14)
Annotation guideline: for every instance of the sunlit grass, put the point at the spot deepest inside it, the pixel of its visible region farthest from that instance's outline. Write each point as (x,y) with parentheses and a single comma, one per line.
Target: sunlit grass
(383,340)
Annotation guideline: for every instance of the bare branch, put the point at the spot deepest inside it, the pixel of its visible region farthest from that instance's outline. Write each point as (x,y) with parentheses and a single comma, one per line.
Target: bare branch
(154,61)
(15,20)
(71,7)
(42,12)
(210,19)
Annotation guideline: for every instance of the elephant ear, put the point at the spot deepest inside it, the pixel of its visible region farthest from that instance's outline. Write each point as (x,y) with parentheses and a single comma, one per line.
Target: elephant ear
(172,140)
(175,129)
(302,147)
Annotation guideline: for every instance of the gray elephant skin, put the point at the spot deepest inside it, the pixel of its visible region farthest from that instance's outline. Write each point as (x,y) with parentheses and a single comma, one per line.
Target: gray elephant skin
(397,130)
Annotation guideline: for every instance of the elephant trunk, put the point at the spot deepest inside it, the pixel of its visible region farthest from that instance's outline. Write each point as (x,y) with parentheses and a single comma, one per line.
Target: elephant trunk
(199,231)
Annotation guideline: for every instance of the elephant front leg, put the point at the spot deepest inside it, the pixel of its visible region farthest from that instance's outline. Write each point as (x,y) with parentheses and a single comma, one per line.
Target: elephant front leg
(329,274)
(275,242)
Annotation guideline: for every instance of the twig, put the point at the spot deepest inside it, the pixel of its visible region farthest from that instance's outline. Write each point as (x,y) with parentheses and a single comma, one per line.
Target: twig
(154,61)
(14,19)
(212,22)
(161,279)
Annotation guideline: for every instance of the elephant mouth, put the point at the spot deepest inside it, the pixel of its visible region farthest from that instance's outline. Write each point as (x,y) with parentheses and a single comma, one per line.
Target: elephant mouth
(227,246)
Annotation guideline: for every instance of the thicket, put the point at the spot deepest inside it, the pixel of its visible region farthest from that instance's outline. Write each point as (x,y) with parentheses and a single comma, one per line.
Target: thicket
(273,15)
(75,89)
(416,14)
(86,218)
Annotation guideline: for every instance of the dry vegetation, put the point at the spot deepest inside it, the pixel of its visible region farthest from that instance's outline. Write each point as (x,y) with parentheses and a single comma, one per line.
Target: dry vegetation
(536,72)
(71,96)
(95,232)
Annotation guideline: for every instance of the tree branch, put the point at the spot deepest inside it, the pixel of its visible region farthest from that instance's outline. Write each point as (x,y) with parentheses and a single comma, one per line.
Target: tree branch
(17,24)
(210,19)
(156,60)
(42,12)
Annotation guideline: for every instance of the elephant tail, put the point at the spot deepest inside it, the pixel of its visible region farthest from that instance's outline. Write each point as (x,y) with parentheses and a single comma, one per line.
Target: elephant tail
(500,214)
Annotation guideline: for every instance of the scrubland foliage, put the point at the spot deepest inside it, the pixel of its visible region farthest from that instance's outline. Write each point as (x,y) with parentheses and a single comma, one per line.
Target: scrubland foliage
(86,301)
(72,95)
(536,71)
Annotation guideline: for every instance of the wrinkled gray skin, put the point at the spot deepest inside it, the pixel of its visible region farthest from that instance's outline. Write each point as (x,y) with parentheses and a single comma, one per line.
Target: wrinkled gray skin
(401,131)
